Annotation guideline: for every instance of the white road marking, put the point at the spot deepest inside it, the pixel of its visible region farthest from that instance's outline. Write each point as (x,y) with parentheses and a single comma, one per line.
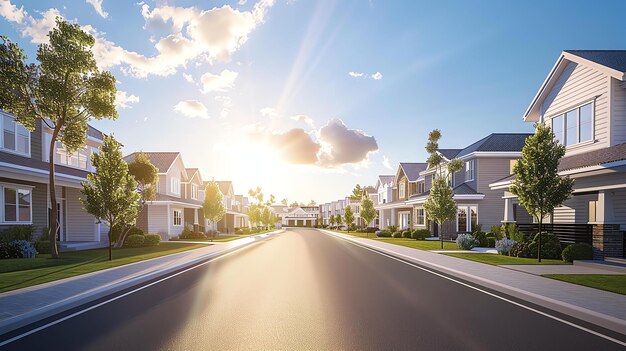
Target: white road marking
(590,331)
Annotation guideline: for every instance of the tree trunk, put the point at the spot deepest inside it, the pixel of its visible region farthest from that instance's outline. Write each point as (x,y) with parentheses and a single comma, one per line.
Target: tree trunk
(539,239)
(440,235)
(110,244)
(54,223)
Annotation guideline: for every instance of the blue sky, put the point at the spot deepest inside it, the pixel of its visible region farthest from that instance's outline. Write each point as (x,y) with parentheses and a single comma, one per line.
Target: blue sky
(280,107)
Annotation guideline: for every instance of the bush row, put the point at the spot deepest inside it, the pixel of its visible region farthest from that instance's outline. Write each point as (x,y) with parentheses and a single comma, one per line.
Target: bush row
(417,234)
(138,240)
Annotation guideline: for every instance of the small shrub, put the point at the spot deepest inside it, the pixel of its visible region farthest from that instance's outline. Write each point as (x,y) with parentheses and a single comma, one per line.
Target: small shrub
(383,234)
(577,251)
(550,246)
(17,232)
(351,227)
(392,228)
(151,240)
(406,234)
(42,246)
(134,241)
(491,241)
(504,246)
(496,230)
(134,231)
(420,234)
(466,241)
(188,234)
(17,249)
(397,235)
(481,237)
(512,232)
(521,249)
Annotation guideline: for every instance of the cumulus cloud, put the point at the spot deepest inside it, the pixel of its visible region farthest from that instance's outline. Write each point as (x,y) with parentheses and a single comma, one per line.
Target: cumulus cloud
(294,146)
(188,77)
(377,76)
(192,35)
(123,100)
(303,118)
(191,108)
(341,145)
(218,82)
(269,112)
(97,5)
(355,74)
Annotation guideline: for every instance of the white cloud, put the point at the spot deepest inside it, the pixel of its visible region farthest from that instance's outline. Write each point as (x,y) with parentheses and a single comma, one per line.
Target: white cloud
(269,112)
(355,74)
(303,118)
(341,145)
(191,108)
(188,77)
(123,100)
(377,76)
(222,82)
(97,5)
(194,35)
(227,104)
(386,162)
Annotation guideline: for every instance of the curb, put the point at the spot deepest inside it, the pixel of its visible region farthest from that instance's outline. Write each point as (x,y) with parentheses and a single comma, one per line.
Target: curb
(11,324)
(605,321)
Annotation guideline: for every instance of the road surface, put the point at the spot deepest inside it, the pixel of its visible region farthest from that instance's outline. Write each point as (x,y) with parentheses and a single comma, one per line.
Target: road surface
(305,290)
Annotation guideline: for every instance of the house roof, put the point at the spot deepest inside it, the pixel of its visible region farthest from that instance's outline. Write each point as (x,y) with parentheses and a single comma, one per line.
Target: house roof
(412,170)
(161,160)
(224,185)
(163,197)
(497,142)
(386,178)
(464,189)
(449,153)
(594,158)
(94,133)
(615,59)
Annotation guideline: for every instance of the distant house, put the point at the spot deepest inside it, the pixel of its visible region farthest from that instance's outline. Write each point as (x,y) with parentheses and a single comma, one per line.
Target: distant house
(236,208)
(298,216)
(393,209)
(24,199)
(583,100)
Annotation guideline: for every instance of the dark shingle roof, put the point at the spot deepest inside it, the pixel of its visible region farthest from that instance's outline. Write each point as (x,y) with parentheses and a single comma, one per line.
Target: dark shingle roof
(426,193)
(161,160)
(93,132)
(594,158)
(163,197)
(464,189)
(412,170)
(497,142)
(615,59)
(449,153)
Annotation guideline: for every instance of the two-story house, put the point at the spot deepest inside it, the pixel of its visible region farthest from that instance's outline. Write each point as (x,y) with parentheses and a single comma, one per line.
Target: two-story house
(407,182)
(24,200)
(486,161)
(179,197)
(236,208)
(583,100)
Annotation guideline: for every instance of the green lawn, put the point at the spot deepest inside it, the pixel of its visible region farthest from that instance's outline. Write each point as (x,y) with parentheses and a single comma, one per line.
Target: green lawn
(415,244)
(501,259)
(613,283)
(23,272)
(225,238)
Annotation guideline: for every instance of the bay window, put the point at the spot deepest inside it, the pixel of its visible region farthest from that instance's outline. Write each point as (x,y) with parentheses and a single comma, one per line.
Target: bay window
(575,126)
(14,136)
(16,204)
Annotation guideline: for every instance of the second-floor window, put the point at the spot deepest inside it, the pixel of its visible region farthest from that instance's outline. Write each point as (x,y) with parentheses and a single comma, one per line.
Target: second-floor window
(175,186)
(402,190)
(194,191)
(14,136)
(420,187)
(575,126)
(470,170)
(77,159)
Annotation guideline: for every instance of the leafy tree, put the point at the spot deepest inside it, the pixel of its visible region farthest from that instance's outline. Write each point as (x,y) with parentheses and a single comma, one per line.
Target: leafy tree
(312,203)
(357,193)
(338,220)
(267,217)
(256,193)
(255,214)
(110,192)
(284,201)
(440,205)
(348,216)
(145,173)
(368,212)
(213,206)
(65,91)
(271,200)
(331,221)
(538,185)
(294,204)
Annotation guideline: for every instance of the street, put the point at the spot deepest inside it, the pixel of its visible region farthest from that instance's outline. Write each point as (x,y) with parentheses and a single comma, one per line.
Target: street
(304,290)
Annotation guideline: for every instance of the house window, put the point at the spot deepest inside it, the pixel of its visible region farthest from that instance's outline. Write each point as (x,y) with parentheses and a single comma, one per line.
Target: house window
(420,218)
(178,218)
(175,186)
(77,159)
(194,191)
(16,205)
(402,190)
(466,218)
(14,136)
(469,170)
(575,126)
(592,214)
(420,187)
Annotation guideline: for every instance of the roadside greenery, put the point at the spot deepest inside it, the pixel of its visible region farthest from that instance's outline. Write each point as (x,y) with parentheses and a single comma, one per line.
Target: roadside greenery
(349,217)
(213,206)
(145,174)
(493,259)
(613,283)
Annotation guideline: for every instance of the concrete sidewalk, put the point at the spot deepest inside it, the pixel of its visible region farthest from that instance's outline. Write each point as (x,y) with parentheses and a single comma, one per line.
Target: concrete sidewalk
(599,307)
(27,305)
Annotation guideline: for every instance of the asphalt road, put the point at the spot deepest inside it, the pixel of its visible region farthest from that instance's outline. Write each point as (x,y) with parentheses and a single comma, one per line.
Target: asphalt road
(304,290)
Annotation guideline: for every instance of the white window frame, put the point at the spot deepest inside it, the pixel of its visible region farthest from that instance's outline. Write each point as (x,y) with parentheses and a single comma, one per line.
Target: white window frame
(15,136)
(470,170)
(179,217)
(468,218)
(194,191)
(86,151)
(577,108)
(402,190)
(175,186)
(17,188)
(417,217)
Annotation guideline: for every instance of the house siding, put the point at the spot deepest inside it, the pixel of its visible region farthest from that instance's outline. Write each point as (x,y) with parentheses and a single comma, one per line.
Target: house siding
(618,112)
(573,210)
(80,225)
(619,206)
(158,220)
(490,208)
(576,85)
(39,205)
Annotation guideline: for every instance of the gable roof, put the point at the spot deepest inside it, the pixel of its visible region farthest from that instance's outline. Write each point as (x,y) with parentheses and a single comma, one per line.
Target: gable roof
(449,154)
(161,160)
(224,185)
(497,142)
(594,158)
(412,169)
(464,189)
(609,62)
(384,179)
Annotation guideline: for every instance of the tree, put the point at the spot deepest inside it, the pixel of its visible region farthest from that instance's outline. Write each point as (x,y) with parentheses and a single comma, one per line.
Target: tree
(267,217)
(348,217)
(255,214)
(537,184)
(145,174)
(256,193)
(65,91)
(338,220)
(110,192)
(331,221)
(294,204)
(284,201)
(271,200)
(213,206)
(440,205)
(357,193)
(312,203)
(368,212)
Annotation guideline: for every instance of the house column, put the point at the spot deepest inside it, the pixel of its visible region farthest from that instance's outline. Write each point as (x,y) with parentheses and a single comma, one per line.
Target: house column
(381,219)
(607,239)
(394,216)
(196,226)
(604,209)
(508,210)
